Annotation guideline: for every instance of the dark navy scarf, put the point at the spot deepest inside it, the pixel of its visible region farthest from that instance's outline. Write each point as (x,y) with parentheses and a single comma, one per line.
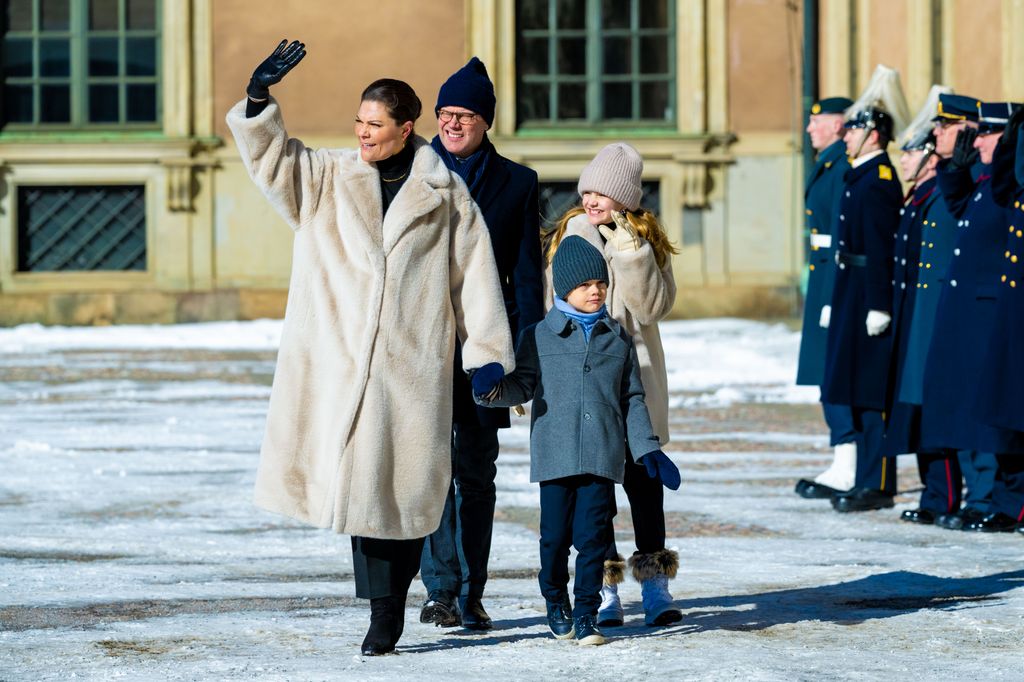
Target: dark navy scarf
(472,168)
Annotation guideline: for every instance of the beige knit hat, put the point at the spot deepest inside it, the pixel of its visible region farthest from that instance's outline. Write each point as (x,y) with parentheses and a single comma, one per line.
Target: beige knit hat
(615,172)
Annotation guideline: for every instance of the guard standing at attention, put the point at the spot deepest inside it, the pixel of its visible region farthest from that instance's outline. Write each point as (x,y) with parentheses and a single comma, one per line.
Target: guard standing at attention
(821,196)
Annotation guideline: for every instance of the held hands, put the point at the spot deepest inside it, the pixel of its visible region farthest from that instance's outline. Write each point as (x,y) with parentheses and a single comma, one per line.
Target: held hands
(487,381)
(877,322)
(964,153)
(825,317)
(659,466)
(623,238)
(272,69)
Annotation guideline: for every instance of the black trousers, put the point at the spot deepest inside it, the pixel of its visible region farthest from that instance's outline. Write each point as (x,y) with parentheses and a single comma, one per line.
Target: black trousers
(1008,491)
(384,568)
(940,473)
(574,513)
(646,505)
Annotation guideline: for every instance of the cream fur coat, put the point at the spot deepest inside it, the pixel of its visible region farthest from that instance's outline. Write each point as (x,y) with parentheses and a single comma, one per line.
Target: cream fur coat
(640,294)
(359,426)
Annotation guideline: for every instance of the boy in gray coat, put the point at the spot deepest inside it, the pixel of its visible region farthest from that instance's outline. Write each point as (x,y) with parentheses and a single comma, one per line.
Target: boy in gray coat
(580,369)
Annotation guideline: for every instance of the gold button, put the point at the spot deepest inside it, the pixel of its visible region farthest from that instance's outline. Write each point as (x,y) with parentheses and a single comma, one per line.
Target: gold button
(928,265)
(920,265)
(933,224)
(1013,259)
(1011,228)
(918,285)
(1020,233)
(812,266)
(1006,255)
(1003,278)
(1013,284)
(1016,204)
(931,245)
(814,230)
(925,286)
(808,211)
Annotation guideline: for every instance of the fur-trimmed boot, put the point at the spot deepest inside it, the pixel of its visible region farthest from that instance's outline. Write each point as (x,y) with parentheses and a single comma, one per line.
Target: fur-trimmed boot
(609,614)
(653,572)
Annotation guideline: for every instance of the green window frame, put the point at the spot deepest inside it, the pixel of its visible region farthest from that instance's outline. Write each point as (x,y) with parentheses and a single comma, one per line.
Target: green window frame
(80,65)
(595,62)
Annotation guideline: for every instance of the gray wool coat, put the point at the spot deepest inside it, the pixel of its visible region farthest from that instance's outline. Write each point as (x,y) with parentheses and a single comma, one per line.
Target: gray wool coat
(588,399)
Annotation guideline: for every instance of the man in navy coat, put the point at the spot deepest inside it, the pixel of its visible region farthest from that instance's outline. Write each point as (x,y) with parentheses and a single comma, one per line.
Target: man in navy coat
(454,563)
(859,341)
(821,196)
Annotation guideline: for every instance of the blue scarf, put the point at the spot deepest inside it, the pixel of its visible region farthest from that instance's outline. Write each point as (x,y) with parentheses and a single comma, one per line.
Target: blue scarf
(585,320)
(471,168)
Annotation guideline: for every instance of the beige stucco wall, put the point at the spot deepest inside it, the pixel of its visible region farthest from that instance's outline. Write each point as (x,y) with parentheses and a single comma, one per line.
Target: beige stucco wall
(977,68)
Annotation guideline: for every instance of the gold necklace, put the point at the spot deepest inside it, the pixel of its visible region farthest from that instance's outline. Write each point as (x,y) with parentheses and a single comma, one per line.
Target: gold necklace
(400,177)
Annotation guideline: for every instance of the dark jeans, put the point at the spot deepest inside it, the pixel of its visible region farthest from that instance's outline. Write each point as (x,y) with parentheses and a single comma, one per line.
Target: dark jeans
(646,505)
(574,512)
(1008,493)
(979,475)
(454,560)
(840,423)
(384,568)
(874,471)
(940,473)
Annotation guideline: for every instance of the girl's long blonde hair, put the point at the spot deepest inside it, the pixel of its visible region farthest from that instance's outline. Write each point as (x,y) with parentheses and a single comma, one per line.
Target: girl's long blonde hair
(643,222)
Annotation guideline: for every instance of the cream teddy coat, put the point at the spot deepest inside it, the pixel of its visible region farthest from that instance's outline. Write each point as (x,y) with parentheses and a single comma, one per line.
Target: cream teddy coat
(640,294)
(359,425)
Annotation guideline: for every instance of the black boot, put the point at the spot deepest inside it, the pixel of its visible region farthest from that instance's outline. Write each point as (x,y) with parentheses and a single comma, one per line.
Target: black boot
(387,620)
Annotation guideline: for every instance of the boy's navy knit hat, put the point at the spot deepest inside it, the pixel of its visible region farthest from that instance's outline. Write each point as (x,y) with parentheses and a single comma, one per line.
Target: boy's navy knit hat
(576,262)
(471,88)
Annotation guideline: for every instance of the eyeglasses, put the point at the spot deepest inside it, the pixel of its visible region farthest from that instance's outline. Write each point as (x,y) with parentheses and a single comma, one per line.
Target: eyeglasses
(465,117)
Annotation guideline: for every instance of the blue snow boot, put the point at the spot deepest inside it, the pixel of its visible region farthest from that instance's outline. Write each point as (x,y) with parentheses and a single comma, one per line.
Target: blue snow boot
(560,618)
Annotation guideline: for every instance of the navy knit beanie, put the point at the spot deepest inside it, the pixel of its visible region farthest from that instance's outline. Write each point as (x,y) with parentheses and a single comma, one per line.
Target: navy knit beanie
(576,262)
(469,87)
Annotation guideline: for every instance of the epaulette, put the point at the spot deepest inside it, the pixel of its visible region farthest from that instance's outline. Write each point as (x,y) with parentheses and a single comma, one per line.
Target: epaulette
(885,173)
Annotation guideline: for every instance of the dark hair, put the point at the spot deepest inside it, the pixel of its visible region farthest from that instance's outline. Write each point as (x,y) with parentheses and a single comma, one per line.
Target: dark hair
(397,96)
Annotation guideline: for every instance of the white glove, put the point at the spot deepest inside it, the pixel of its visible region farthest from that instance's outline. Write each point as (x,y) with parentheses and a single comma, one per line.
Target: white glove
(826,316)
(623,238)
(877,322)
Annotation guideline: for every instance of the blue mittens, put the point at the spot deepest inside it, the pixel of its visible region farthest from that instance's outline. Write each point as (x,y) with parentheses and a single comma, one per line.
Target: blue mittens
(487,381)
(659,466)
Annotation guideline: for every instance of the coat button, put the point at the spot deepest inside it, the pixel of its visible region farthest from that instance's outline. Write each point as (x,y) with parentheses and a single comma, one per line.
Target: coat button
(586,416)
(903,261)
(842,217)
(952,282)
(902,211)
(1003,278)
(586,368)
(956,252)
(903,285)
(811,267)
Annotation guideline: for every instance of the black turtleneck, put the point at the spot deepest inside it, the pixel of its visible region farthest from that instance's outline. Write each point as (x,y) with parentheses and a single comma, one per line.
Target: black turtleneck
(394,171)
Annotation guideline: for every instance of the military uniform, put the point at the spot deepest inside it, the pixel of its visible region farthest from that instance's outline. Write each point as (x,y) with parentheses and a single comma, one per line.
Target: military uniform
(857,364)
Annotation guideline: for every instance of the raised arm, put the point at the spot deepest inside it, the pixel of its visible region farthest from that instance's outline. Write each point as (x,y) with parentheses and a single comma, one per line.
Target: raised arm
(648,291)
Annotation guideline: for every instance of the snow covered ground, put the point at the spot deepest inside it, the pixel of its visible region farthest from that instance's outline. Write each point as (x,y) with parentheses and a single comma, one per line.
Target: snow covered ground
(129,547)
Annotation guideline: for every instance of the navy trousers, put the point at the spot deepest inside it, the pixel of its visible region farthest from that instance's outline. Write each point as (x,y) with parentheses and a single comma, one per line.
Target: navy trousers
(873,470)
(384,568)
(940,474)
(646,506)
(574,513)
(840,423)
(1008,491)
(454,561)
(979,475)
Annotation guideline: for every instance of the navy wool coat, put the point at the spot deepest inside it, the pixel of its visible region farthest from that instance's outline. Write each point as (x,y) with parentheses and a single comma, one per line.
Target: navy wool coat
(1001,403)
(507,197)
(964,320)
(588,400)
(821,200)
(857,365)
(901,426)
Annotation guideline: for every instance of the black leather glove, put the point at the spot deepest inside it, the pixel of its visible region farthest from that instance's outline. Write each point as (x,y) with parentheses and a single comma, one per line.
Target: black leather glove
(1012,131)
(964,153)
(274,68)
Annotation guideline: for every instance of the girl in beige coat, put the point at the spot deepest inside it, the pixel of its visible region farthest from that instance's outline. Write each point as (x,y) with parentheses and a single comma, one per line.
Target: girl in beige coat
(391,263)
(641,291)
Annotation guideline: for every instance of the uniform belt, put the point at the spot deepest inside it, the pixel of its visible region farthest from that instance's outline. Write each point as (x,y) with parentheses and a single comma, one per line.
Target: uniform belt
(822,241)
(857,260)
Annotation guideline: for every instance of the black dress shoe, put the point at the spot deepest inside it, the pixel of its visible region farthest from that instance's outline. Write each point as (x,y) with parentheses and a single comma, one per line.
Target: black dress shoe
(474,617)
(810,490)
(957,519)
(442,611)
(921,516)
(862,499)
(997,522)
(387,621)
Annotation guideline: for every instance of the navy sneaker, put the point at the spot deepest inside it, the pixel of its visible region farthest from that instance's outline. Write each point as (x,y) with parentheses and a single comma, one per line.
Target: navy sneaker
(560,618)
(587,632)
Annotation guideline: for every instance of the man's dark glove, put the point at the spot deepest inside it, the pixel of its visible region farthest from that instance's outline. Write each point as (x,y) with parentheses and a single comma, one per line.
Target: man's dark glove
(964,153)
(659,466)
(274,68)
(487,381)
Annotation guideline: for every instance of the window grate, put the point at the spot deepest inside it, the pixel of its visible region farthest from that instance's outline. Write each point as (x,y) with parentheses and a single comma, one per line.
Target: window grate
(69,228)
